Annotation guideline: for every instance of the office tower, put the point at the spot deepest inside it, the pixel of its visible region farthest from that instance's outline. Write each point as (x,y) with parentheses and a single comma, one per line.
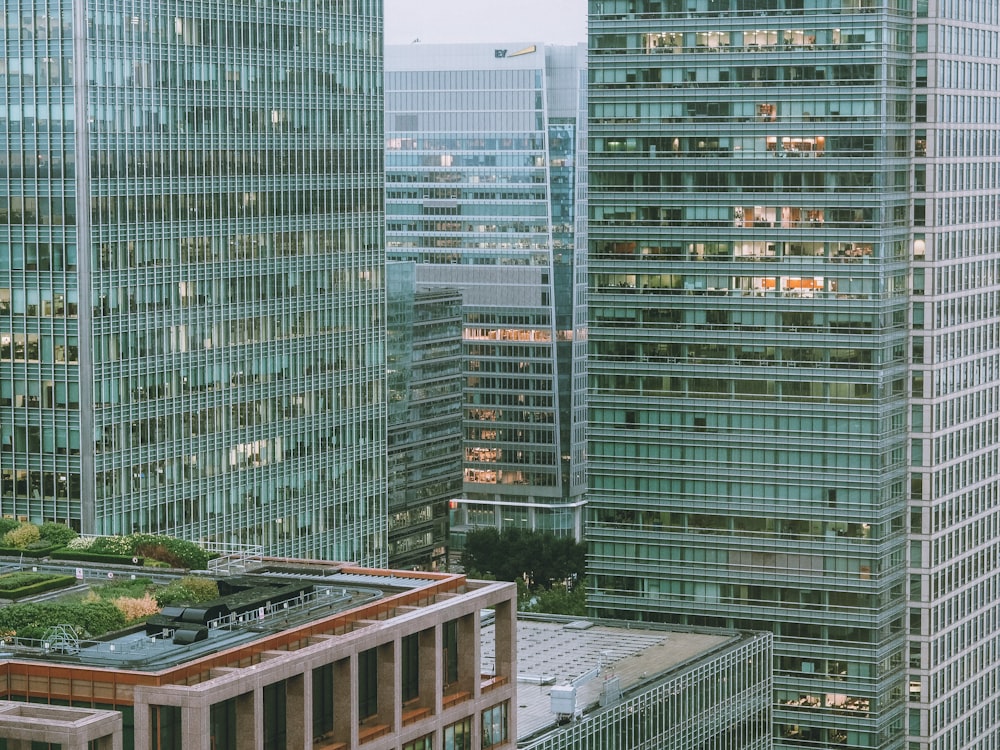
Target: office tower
(790,199)
(481,193)
(424,376)
(954,370)
(191,272)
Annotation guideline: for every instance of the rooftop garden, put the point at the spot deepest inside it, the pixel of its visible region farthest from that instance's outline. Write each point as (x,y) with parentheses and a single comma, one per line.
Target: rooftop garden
(93,609)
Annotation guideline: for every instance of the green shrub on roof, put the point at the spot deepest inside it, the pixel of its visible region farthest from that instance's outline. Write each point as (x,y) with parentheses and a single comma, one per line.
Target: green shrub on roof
(57,533)
(177,553)
(89,619)
(187,590)
(22,536)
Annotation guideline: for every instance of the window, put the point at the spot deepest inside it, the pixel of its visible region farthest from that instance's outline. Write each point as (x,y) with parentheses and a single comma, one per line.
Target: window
(222,725)
(368,683)
(495,725)
(424,743)
(275,724)
(411,666)
(458,736)
(166,727)
(322,691)
(449,651)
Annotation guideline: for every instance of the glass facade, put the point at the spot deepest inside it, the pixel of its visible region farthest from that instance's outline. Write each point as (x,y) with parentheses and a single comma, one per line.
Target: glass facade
(191,268)
(425,377)
(481,192)
(954,477)
(750,233)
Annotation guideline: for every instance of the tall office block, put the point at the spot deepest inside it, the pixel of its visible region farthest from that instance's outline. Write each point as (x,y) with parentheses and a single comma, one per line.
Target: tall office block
(191,271)
(954,475)
(425,374)
(482,194)
(790,199)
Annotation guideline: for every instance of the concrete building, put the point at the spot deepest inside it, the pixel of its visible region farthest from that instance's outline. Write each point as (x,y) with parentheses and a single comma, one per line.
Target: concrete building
(191,260)
(425,374)
(793,267)
(295,654)
(481,192)
(22,725)
(587,685)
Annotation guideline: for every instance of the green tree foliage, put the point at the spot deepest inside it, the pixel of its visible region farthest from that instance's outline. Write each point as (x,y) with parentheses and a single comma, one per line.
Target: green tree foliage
(539,557)
(558,600)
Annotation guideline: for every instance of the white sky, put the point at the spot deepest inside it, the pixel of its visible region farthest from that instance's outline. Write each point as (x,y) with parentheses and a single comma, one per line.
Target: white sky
(457,21)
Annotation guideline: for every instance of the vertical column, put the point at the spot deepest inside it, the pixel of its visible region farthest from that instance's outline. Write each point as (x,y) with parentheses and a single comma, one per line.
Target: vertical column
(142,723)
(298,712)
(355,714)
(195,726)
(505,627)
(430,668)
(344,702)
(390,694)
(438,675)
(468,653)
(249,719)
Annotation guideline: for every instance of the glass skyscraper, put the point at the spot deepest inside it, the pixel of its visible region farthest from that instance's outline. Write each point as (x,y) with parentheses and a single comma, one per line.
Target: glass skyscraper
(793,328)
(425,375)
(191,266)
(481,192)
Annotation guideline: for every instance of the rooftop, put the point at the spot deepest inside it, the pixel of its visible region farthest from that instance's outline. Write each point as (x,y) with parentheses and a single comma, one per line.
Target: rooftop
(553,653)
(261,608)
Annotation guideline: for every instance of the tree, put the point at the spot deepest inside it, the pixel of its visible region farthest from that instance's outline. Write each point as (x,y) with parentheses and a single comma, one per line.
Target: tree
(540,558)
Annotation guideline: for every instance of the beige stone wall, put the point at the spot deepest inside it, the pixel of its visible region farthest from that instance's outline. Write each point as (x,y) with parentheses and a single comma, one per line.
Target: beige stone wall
(437,706)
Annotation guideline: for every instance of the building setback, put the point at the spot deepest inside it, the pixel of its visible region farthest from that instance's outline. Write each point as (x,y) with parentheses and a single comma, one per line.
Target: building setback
(191,272)
(481,193)
(793,326)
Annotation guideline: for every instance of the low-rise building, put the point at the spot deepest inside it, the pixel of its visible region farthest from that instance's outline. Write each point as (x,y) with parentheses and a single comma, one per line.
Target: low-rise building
(590,685)
(295,654)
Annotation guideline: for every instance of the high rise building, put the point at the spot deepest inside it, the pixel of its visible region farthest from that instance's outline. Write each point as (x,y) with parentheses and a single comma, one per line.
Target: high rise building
(424,375)
(191,271)
(481,192)
(793,271)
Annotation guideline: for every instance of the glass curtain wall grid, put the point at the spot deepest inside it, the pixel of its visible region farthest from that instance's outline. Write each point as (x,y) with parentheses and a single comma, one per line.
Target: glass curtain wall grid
(208,179)
(481,194)
(750,229)
(953,555)
(425,376)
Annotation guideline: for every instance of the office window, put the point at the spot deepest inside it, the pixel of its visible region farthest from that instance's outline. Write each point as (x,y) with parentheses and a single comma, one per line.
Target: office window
(411,666)
(322,685)
(275,723)
(449,651)
(368,683)
(495,725)
(458,736)
(165,727)
(222,725)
